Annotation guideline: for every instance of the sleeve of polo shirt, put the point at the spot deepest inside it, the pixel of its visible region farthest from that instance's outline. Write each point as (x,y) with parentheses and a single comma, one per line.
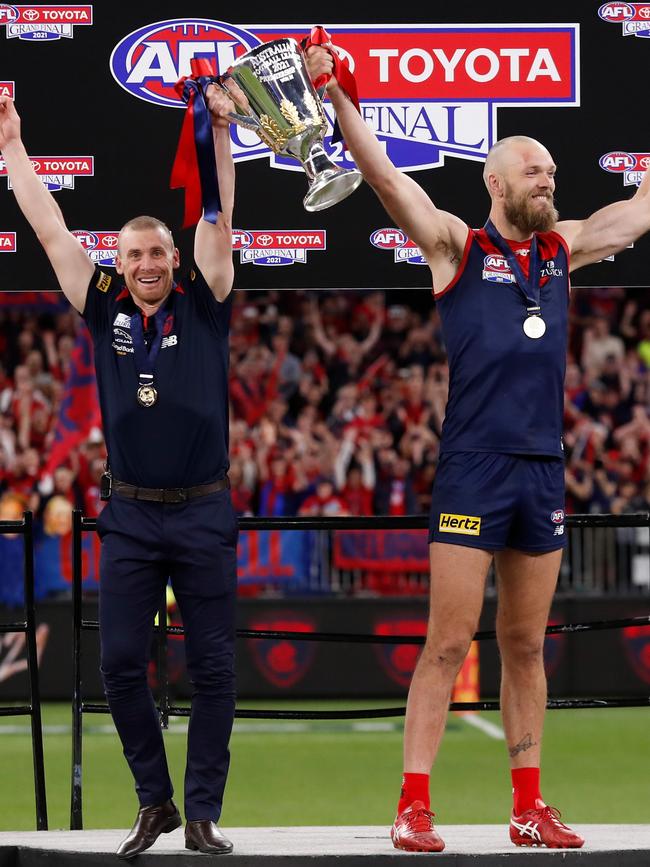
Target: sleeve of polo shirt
(95,312)
(217,312)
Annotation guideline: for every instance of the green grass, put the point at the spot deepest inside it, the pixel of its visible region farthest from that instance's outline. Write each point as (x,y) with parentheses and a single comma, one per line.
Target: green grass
(595,769)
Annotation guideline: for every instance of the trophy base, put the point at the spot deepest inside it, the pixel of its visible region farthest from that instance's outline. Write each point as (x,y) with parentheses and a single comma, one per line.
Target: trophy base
(331,186)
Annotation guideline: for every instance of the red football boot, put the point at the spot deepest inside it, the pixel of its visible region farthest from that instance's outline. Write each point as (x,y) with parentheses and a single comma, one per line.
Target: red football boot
(542,827)
(413,830)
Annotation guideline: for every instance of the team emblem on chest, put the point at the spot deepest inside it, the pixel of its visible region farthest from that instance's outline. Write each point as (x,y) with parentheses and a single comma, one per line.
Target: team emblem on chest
(123,341)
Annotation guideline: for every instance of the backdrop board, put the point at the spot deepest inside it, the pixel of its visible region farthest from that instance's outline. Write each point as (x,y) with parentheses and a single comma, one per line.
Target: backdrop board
(94,87)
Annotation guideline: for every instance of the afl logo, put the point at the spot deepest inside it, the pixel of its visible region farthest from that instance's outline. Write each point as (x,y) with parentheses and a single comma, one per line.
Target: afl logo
(616,12)
(7,13)
(387,239)
(88,240)
(496,263)
(617,161)
(557,516)
(149,61)
(241,239)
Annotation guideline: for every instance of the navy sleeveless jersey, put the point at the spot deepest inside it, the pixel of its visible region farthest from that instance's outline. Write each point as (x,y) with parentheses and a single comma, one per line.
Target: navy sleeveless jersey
(506,390)
(183,439)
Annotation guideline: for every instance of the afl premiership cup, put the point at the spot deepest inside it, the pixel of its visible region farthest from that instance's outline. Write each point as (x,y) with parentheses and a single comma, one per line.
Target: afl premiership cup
(287,114)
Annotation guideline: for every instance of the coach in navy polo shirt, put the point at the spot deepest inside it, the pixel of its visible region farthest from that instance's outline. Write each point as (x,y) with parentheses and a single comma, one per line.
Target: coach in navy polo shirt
(161,355)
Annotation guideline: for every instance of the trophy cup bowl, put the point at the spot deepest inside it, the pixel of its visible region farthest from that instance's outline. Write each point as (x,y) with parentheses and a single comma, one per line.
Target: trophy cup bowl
(287,114)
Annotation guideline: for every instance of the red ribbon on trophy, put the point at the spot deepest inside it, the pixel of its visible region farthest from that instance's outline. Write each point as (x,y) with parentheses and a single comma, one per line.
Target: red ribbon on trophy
(195,166)
(342,73)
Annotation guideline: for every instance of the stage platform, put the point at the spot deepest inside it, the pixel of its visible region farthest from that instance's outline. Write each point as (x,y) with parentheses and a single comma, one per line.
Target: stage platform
(349,846)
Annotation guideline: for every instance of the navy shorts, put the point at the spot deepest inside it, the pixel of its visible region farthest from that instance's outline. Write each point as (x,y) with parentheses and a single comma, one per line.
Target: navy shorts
(494,501)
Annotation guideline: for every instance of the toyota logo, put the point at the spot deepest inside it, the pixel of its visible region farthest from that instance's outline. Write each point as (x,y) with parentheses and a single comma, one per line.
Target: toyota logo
(30,14)
(265,240)
(644,12)
(110,240)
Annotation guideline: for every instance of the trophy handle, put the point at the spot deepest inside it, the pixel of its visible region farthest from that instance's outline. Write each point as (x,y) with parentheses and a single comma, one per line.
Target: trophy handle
(245,120)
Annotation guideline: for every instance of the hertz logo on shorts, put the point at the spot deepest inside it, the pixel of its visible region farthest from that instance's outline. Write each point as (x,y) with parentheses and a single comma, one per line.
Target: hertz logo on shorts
(465,524)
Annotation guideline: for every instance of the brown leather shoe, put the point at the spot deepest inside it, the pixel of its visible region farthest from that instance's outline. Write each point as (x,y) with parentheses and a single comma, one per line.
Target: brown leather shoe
(150,823)
(206,837)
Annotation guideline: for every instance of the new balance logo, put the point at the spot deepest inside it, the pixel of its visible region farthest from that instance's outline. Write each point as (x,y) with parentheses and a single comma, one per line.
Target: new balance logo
(528,830)
(465,524)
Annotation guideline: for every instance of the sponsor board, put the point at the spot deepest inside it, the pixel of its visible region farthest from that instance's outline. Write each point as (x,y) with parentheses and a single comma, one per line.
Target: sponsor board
(57,173)
(7,242)
(404,249)
(100,246)
(8,88)
(43,23)
(633,17)
(632,166)
(428,91)
(277,247)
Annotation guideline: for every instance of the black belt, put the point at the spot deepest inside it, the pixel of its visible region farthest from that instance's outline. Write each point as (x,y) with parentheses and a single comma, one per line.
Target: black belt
(168,495)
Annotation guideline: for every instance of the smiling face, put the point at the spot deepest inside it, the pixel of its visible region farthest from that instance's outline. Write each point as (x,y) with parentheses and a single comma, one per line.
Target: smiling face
(520,176)
(146,258)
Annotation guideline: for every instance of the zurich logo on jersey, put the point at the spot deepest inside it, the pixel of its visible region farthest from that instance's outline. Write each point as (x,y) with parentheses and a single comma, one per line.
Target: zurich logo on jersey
(497,270)
(148,62)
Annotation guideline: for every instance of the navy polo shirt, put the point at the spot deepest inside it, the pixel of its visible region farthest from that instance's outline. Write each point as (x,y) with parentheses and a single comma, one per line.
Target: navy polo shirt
(182,440)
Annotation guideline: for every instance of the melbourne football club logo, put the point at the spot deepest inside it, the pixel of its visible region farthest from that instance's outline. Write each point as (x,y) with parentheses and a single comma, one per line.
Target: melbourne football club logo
(7,242)
(43,23)
(277,247)
(100,246)
(636,641)
(428,91)
(497,270)
(283,662)
(57,173)
(404,250)
(633,17)
(398,660)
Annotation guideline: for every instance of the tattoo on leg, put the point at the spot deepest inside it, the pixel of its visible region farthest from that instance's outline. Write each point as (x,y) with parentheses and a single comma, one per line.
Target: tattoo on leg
(524,744)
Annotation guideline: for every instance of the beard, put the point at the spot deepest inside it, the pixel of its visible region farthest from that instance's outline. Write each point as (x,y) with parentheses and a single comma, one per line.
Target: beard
(523,213)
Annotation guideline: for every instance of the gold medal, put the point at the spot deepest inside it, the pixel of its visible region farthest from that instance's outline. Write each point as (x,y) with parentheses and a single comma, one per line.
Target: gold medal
(147,395)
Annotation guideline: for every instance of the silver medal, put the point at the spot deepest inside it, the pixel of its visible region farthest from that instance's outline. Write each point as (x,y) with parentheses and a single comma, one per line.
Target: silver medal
(534,327)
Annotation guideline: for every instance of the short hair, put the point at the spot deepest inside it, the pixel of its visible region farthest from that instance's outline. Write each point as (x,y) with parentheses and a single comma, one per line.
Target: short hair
(142,223)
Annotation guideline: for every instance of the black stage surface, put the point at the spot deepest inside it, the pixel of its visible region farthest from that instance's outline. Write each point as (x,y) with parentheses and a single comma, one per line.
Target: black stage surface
(349,846)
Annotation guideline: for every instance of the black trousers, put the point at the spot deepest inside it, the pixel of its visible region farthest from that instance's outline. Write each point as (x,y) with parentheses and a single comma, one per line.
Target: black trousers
(193,544)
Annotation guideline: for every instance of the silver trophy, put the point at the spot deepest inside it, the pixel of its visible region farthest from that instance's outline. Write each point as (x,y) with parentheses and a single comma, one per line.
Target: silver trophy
(286,113)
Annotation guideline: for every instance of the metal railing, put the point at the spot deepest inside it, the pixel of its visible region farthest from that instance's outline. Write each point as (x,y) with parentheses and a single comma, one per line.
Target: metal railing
(165,709)
(28,628)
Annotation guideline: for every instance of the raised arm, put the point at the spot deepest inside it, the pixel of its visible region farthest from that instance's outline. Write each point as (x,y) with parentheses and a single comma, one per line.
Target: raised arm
(609,230)
(72,266)
(213,242)
(441,236)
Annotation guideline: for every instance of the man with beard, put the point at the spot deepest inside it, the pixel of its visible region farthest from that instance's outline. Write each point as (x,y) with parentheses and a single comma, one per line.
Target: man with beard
(502,293)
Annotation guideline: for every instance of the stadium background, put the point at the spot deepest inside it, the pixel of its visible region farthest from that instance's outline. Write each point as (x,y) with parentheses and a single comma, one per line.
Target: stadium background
(353,377)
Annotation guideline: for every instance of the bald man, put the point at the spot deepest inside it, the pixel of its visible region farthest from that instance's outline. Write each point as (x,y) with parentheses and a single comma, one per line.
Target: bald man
(502,293)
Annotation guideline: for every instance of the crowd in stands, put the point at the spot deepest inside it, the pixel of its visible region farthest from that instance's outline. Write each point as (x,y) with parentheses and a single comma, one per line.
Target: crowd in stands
(337,401)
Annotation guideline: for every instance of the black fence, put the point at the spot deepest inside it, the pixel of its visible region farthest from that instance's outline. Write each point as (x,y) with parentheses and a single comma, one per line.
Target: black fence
(25,631)
(166,709)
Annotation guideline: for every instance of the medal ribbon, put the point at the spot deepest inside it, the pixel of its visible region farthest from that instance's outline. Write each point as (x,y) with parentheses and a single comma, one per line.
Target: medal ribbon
(195,166)
(529,288)
(342,72)
(145,359)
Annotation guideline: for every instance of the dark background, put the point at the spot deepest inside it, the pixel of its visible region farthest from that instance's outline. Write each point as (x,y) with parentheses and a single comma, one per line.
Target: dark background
(70,105)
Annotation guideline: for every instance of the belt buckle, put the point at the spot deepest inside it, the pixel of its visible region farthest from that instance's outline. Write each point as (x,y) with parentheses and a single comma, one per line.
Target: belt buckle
(174,495)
